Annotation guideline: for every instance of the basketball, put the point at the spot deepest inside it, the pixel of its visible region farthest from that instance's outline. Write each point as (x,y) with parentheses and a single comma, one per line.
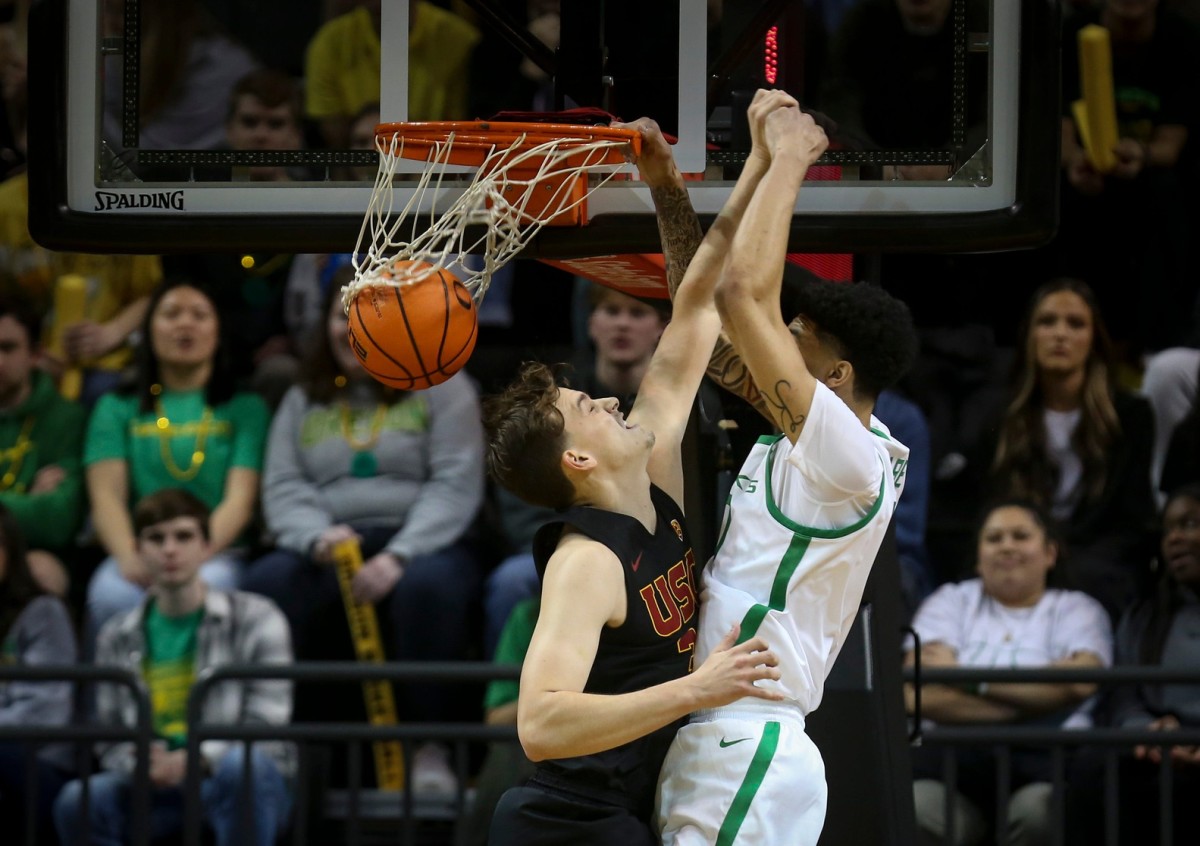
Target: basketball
(416,335)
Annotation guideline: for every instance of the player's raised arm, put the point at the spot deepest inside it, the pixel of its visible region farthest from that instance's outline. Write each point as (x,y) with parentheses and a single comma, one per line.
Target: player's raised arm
(669,387)
(748,293)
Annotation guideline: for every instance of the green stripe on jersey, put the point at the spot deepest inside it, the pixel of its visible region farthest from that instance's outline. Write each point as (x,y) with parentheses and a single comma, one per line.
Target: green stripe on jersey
(787,566)
(750,785)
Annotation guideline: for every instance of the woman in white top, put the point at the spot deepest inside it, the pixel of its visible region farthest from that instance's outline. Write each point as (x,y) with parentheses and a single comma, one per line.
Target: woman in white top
(1007,617)
(1079,446)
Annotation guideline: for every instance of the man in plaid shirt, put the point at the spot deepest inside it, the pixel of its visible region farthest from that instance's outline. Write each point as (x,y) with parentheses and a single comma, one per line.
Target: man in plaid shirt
(182,629)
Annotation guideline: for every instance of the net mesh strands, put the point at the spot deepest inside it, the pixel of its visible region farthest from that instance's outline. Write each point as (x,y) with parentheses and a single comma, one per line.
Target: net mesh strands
(525,178)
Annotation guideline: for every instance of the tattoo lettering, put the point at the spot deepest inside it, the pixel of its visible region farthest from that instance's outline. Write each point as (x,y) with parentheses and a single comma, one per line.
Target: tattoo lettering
(789,420)
(727,369)
(679,230)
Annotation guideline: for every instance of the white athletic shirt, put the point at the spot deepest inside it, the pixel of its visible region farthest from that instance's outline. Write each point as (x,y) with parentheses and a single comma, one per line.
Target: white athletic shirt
(984,633)
(801,530)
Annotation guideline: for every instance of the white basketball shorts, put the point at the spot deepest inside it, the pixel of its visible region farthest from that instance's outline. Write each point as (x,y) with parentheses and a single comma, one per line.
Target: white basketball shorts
(742,779)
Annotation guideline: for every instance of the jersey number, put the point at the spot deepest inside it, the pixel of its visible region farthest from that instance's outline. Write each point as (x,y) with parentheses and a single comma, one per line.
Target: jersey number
(687,643)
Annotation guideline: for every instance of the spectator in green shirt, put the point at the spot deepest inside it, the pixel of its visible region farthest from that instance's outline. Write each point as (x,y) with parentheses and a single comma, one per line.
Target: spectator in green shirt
(182,424)
(41,433)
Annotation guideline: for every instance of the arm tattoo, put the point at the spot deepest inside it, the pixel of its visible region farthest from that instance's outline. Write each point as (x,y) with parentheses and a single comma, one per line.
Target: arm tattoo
(727,369)
(679,230)
(790,420)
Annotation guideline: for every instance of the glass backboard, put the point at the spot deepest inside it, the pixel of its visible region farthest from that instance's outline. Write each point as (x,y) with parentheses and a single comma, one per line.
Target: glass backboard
(943,114)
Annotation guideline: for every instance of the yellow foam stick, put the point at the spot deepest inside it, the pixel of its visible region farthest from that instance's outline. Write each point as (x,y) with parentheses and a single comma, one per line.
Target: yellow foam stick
(1079,112)
(368,647)
(1095,71)
(70,299)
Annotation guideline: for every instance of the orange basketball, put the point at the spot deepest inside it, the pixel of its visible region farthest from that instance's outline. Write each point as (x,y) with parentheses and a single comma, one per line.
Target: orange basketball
(417,335)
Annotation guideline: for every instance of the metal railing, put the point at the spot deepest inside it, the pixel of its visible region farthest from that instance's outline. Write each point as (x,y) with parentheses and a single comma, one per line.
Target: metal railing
(82,736)
(1002,738)
(355,735)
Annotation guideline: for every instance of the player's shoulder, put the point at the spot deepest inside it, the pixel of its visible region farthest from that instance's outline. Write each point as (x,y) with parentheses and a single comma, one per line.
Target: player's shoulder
(582,570)
(577,552)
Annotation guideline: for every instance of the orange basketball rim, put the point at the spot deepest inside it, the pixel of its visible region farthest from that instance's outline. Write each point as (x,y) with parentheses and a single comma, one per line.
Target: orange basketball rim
(557,156)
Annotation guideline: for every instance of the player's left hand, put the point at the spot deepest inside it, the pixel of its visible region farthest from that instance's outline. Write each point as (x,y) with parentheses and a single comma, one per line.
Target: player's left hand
(376,578)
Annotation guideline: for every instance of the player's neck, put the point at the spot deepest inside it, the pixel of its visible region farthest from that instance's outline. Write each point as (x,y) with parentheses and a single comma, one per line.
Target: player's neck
(628,493)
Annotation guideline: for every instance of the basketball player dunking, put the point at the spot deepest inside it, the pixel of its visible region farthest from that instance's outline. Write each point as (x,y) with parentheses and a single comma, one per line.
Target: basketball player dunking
(606,680)
(804,519)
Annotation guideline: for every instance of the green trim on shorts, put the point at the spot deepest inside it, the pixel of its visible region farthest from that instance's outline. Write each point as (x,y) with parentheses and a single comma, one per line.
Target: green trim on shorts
(750,784)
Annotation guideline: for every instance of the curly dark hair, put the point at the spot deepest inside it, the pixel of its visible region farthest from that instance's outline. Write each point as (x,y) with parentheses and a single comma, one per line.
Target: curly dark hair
(867,326)
(525,432)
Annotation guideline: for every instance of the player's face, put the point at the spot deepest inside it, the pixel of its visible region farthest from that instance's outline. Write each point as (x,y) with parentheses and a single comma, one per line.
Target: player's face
(173,551)
(184,328)
(16,360)
(1062,333)
(337,329)
(1181,540)
(598,427)
(255,126)
(1014,556)
(624,330)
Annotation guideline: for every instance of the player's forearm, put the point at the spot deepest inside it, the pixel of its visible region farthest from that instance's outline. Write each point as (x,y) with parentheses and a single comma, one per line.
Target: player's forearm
(565,724)
(755,267)
(730,372)
(678,228)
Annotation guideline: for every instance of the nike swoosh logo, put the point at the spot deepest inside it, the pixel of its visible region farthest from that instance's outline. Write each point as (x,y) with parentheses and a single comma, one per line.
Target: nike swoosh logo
(637,562)
(725,742)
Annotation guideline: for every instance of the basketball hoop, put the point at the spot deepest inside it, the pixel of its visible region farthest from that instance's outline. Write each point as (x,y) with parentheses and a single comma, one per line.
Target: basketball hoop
(528,175)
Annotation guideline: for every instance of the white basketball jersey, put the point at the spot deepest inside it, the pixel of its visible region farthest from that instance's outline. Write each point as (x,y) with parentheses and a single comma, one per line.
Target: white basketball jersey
(801,530)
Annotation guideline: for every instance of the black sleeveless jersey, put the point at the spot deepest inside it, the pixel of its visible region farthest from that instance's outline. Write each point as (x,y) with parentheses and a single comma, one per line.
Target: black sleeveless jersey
(655,644)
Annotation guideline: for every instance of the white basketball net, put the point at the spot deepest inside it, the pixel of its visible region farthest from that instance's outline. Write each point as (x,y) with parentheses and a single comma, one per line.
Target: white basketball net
(497,200)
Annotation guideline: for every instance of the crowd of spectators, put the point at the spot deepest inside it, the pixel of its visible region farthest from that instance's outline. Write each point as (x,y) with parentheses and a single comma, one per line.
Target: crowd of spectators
(223,436)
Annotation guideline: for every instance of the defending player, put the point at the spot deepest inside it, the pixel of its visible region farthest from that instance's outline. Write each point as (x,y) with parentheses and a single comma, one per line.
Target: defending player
(606,680)
(804,521)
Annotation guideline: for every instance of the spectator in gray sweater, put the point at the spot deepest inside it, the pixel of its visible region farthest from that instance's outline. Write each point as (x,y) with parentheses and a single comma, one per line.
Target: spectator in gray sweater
(403,474)
(35,631)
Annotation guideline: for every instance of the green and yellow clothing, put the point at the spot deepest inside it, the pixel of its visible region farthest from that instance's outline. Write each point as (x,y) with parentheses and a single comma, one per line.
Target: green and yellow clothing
(113,281)
(514,642)
(42,431)
(343,61)
(163,450)
(169,670)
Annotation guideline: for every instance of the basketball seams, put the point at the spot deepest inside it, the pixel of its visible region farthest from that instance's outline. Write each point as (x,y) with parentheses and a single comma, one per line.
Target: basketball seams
(404,336)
